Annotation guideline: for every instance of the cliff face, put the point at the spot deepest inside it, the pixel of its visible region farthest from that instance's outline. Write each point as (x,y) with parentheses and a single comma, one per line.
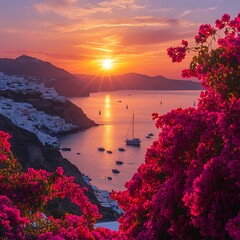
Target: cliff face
(66,110)
(29,151)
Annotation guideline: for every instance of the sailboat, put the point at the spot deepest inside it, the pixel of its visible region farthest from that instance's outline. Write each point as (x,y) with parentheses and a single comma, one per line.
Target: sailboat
(134,141)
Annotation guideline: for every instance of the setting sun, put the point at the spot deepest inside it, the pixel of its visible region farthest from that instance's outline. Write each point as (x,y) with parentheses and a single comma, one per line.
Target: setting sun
(107,64)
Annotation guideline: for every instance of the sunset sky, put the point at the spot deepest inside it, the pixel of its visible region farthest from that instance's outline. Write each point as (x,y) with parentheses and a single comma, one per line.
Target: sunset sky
(78,34)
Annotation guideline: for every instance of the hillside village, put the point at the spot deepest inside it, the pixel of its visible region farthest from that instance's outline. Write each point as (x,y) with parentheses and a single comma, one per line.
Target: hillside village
(29,86)
(24,115)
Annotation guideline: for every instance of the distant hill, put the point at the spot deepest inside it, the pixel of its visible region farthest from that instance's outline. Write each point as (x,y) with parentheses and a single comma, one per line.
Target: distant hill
(135,81)
(64,82)
(70,85)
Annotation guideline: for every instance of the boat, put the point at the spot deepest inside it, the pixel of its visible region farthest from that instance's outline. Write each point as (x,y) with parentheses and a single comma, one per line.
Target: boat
(134,141)
(66,149)
(115,170)
(118,162)
(121,149)
(110,152)
(101,149)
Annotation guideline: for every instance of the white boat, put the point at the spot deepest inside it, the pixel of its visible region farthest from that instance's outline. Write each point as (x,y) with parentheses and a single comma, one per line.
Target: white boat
(134,141)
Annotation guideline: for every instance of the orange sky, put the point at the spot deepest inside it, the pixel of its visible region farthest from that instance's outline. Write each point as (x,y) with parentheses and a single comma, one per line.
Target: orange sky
(77,34)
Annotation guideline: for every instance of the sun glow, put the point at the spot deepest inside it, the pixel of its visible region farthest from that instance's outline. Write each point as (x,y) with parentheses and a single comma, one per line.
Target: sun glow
(107,64)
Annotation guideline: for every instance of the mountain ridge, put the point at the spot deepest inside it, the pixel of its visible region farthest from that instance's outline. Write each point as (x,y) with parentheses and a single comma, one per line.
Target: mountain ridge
(64,82)
(77,85)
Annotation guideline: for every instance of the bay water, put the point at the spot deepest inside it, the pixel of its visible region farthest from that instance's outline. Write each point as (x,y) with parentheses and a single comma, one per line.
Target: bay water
(113,112)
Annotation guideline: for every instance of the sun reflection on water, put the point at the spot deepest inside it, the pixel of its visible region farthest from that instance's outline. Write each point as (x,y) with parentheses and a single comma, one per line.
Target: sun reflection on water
(108,140)
(107,108)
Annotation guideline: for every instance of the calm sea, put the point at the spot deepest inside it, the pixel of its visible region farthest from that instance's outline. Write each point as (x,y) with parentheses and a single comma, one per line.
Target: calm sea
(114,111)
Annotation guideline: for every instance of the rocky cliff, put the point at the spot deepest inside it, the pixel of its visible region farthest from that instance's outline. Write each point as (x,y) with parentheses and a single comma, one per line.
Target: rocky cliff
(66,110)
(29,151)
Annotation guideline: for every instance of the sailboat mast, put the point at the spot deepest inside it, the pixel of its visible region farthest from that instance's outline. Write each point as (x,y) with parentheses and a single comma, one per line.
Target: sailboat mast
(133,127)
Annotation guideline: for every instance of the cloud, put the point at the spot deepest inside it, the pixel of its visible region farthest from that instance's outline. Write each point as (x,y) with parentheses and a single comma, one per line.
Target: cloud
(122,4)
(198,11)
(68,8)
(70,57)
(186,13)
(162,10)
(51,55)
(110,46)
(151,36)
(146,20)
(55,6)
(211,9)
(140,21)
(58,3)
(74,9)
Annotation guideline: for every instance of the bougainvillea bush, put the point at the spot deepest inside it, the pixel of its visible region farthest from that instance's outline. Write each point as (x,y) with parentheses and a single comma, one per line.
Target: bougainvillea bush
(24,195)
(189,185)
(187,188)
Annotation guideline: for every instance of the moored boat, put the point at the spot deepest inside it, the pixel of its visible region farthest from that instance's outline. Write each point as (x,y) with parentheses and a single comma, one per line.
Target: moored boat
(119,162)
(115,170)
(121,149)
(134,141)
(101,149)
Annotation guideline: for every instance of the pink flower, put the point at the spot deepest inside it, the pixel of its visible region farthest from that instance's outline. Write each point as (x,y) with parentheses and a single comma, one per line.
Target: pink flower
(219,24)
(59,171)
(177,54)
(184,43)
(225,18)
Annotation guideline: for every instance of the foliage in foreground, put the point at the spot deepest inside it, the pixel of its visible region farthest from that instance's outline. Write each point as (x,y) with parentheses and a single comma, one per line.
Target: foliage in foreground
(24,195)
(188,187)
